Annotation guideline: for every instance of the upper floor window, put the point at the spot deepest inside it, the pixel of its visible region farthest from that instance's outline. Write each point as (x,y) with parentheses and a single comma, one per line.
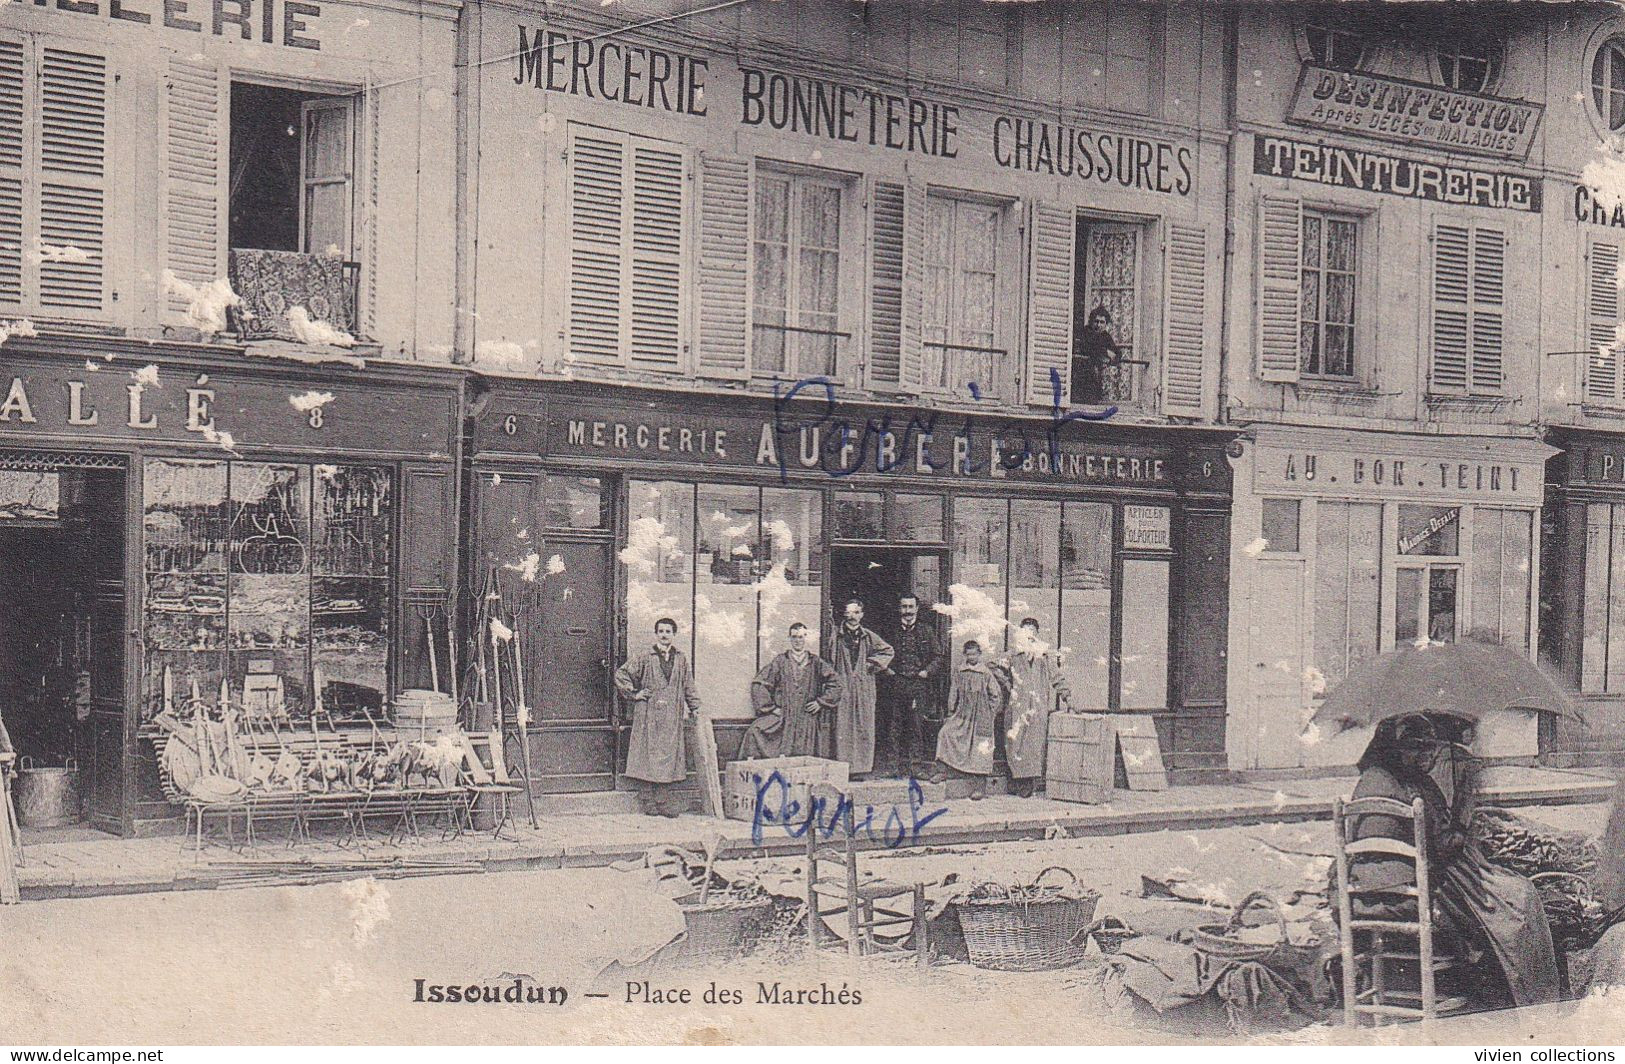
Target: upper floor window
(1335,44)
(1469,62)
(1331,258)
(1095,55)
(291,208)
(54,105)
(963,328)
(625,293)
(1608,83)
(1106,313)
(796,319)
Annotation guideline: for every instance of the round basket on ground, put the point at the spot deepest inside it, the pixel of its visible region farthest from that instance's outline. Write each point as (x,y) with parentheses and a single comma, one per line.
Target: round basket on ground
(1109,933)
(1029,929)
(723,929)
(1219,940)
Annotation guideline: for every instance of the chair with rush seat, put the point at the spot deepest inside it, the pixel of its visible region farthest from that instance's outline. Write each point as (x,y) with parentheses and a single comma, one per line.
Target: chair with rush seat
(1390,967)
(863,903)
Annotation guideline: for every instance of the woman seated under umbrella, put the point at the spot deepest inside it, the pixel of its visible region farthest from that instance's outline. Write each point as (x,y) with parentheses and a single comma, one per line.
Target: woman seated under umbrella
(1489,918)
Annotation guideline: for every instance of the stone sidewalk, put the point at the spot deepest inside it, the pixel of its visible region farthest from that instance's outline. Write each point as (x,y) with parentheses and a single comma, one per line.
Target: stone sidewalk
(80,863)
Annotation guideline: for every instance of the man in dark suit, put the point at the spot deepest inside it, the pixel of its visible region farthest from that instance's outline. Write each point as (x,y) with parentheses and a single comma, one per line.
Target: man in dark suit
(912,685)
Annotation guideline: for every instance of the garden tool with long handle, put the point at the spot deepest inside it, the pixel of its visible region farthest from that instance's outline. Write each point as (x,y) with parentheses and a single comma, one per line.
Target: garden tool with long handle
(522,718)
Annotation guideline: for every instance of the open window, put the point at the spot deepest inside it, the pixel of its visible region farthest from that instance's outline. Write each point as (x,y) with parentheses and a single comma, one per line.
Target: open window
(292,209)
(1108,360)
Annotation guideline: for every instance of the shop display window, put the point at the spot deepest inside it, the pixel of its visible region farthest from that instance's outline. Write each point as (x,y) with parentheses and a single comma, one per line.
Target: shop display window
(263,568)
(1434,531)
(1086,602)
(1144,669)
(735,566)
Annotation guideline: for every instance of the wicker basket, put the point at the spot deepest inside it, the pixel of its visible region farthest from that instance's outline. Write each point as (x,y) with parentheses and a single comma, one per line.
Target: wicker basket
(1109,934)
(721,930)
(1218,940)
(1029,929)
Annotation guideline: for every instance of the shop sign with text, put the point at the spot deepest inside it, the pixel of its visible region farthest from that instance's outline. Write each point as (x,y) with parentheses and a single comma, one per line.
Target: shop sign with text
(1410,112)
(111,402)
(1394,474)
(839,441)
(1394,175)
(289,23)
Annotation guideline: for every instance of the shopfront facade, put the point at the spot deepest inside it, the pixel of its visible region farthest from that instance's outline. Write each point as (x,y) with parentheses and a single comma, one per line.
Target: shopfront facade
(1350,544)
(175,519)
(604,510)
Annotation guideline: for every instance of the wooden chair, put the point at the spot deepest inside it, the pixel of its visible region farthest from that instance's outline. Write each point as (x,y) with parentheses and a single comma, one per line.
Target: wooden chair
(858,900)
(488,778)
(1374,951)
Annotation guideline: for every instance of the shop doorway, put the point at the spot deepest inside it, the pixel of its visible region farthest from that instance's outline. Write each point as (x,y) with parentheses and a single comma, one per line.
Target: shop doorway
(573,747)
(62,627)
(878,576)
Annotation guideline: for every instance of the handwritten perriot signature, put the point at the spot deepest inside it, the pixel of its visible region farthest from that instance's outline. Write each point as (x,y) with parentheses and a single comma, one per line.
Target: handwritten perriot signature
(889,825)
(848,445)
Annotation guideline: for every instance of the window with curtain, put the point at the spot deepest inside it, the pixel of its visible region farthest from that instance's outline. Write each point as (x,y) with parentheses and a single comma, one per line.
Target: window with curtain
(796,316)
(1330,251)
(961,327)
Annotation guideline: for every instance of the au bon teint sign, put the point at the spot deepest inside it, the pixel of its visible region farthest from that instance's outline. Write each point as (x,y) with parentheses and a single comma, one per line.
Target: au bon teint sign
(1411,112)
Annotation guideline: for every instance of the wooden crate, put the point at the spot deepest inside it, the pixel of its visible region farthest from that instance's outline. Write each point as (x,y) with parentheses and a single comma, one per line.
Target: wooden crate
(1080,759)
(745,778)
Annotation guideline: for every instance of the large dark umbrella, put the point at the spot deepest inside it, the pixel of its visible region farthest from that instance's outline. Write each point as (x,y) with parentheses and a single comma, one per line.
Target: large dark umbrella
(1466,679)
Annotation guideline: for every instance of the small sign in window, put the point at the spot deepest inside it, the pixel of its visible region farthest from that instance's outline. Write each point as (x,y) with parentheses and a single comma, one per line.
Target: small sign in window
(1146,528)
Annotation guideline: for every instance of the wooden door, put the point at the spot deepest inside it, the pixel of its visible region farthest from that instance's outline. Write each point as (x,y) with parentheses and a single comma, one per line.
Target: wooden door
(569,670)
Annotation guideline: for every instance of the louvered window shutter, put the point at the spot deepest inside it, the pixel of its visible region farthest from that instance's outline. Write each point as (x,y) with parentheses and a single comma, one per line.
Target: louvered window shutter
(13,78)
(1049,321)
(73,97)
(1469,309)
(598,252)
(1452,270)
(1489,309)
(658,176)
(724,341)
(1602,379)
(1184,347)
(911,350)
(195,113)
(1280,268)
(886,283)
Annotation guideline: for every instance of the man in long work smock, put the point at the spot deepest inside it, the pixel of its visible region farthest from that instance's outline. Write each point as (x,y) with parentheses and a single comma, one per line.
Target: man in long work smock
(859,654)
(1036,686)
(795,697)
(660,686)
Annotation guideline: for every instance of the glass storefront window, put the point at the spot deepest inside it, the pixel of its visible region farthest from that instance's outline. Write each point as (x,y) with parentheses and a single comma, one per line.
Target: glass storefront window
(1433,531)
(1086,602)
(574,502)
(659,560)
(1144,682)
(915,519)
(791,586)
(1602,660)
(858,515)
(1280,526)
(270,570)
(1035,564)
(725,574)
(980,555)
